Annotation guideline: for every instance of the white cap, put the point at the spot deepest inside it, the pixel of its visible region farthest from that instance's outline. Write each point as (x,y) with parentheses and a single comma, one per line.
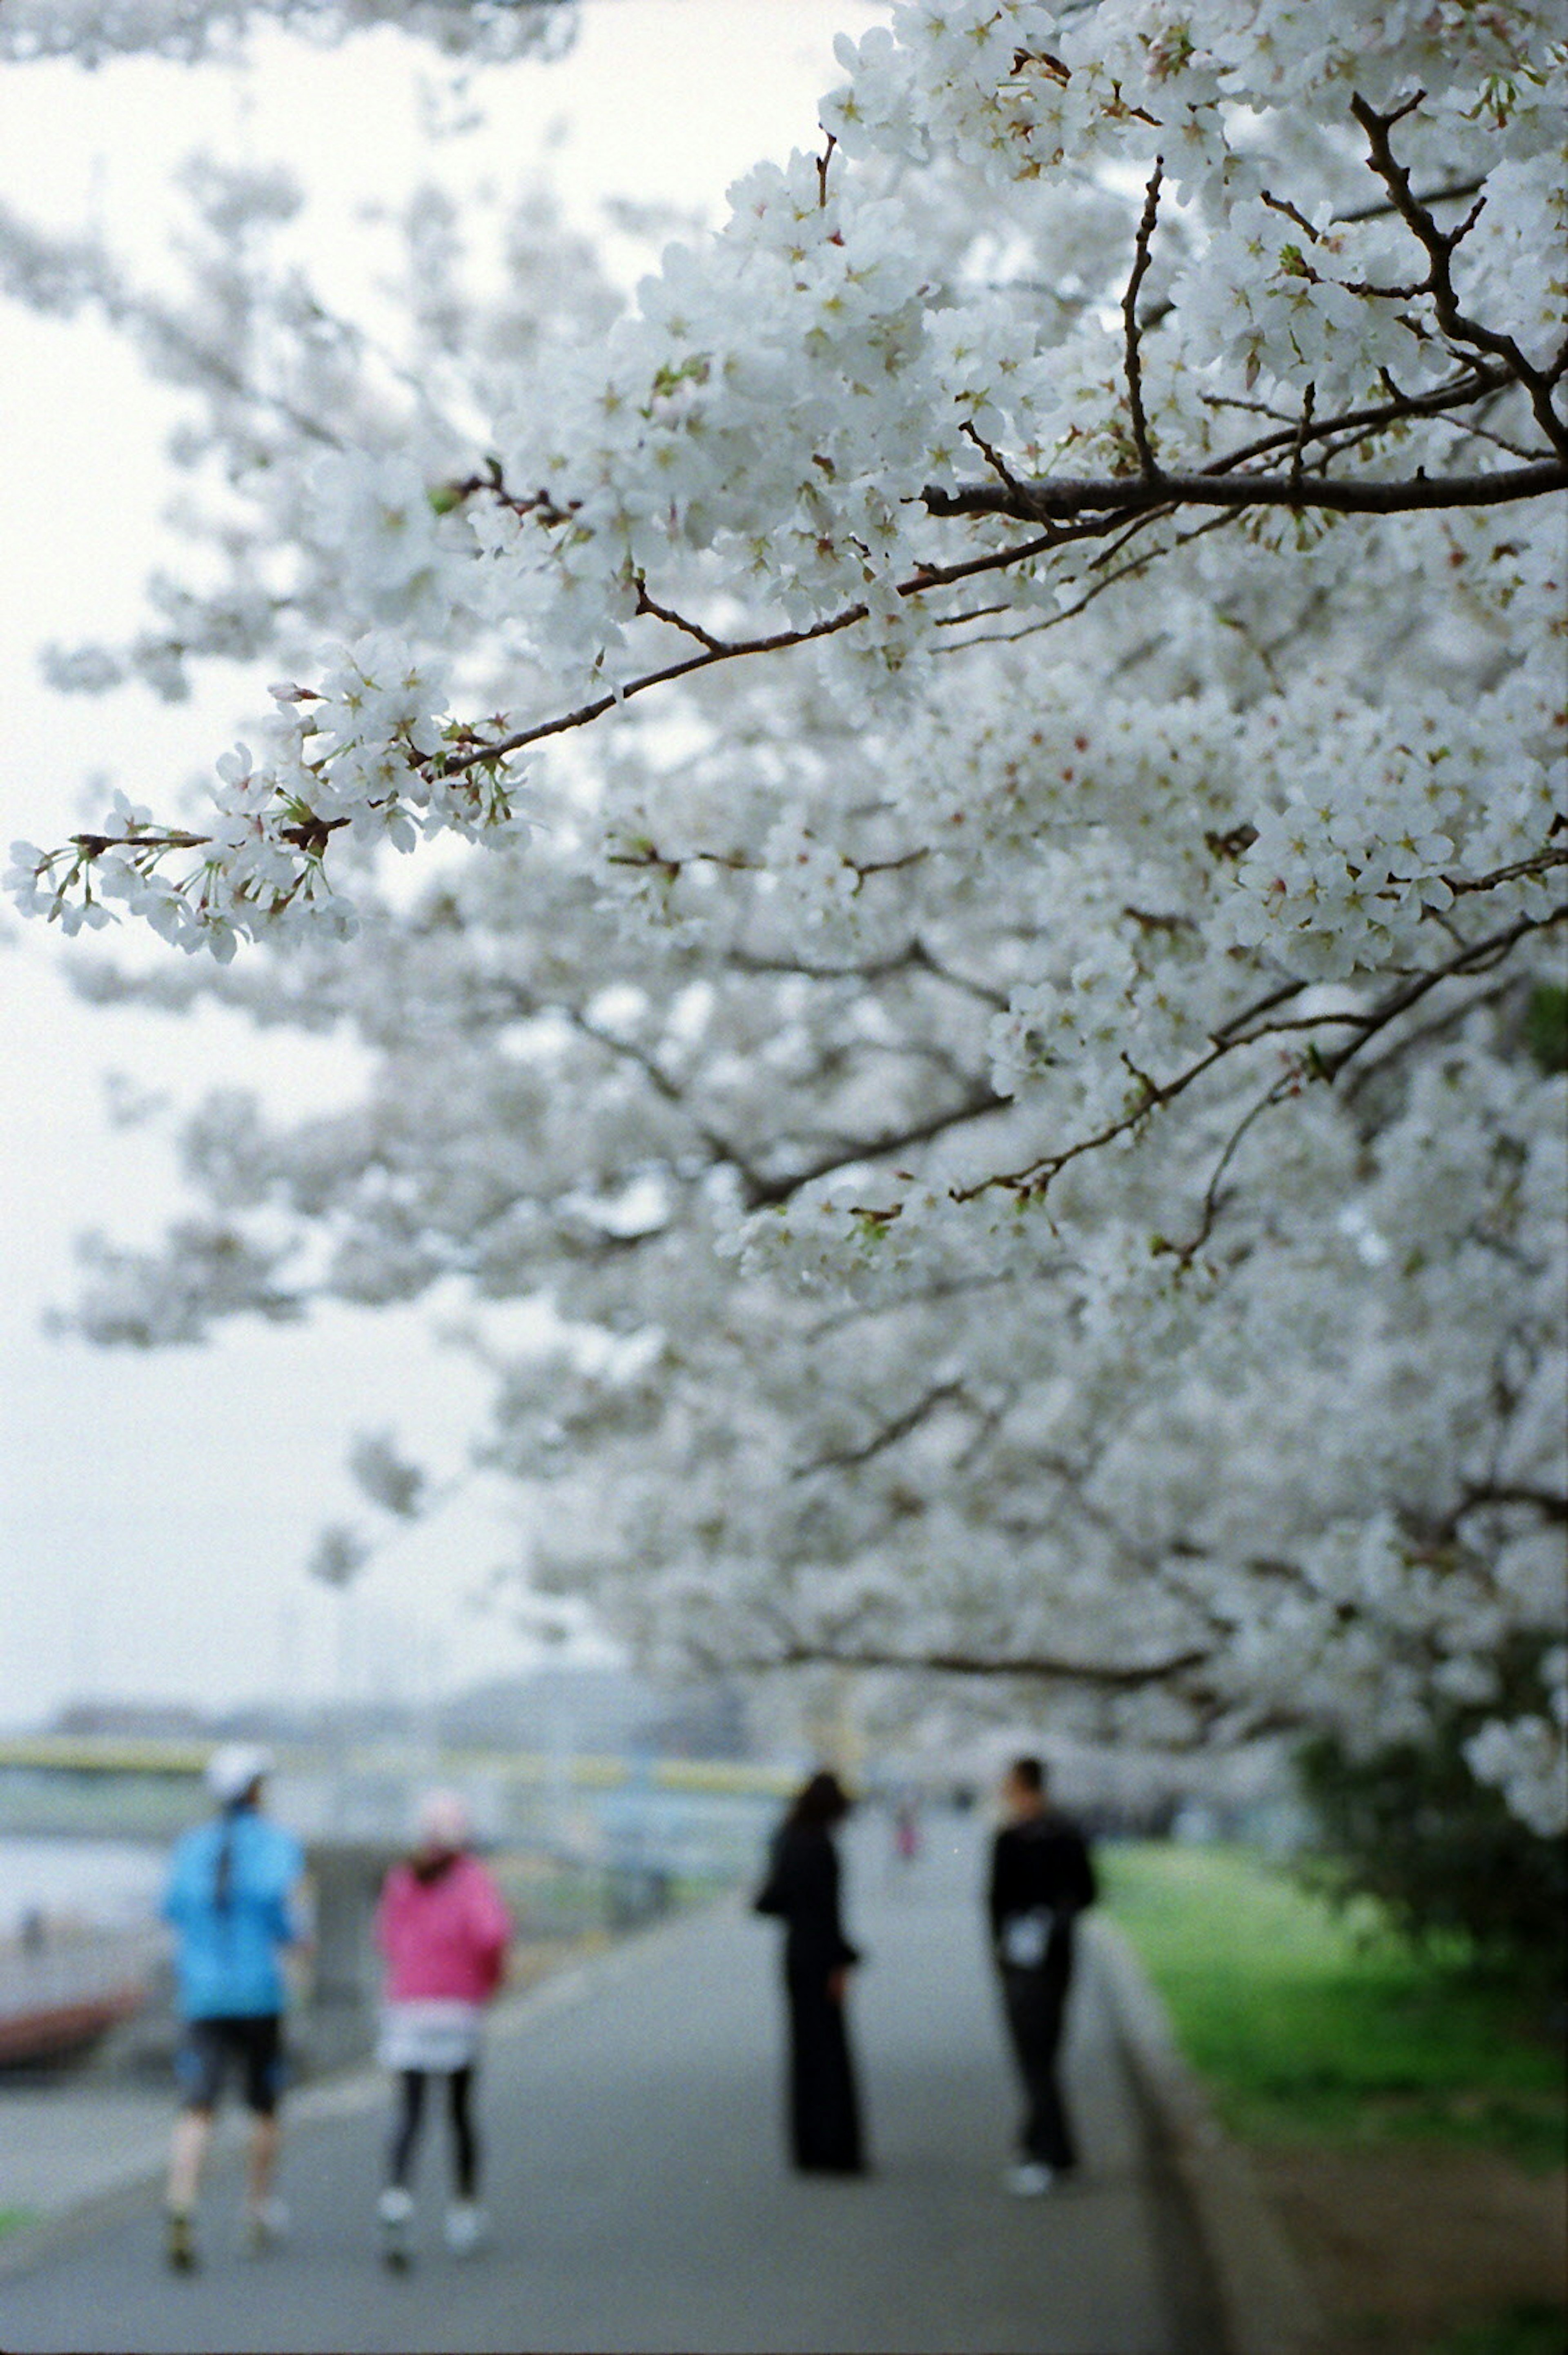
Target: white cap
(231,1771)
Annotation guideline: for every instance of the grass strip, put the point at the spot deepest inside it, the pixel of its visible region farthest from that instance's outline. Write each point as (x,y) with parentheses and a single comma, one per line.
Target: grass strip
(1309,2022)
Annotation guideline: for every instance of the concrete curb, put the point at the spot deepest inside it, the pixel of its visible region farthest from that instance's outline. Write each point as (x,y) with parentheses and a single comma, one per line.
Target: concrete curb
(1265,2305)
(347,2093)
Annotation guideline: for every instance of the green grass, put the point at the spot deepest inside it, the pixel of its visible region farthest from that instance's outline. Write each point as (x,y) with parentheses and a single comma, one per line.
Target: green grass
(1305,2021)
(13,2220)
(1528,2329)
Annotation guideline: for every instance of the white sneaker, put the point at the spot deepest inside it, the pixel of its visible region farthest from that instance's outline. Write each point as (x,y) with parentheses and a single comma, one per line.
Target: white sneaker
(467,2227)
(266,2225)
(1029,2178)
(394,2219)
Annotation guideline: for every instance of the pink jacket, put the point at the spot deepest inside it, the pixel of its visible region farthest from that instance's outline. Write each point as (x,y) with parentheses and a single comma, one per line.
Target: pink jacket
(443,1938)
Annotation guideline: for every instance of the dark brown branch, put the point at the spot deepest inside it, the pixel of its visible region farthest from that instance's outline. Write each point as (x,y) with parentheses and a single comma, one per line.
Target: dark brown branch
(1477,956)
(1103,1674)
(823,161)
(994,458)
(771,1192)
(1473,384)
(1454,193)
(1186,1252)
(845,1459)
(920,583)
(1423,1034)
(1069,499)
(1538,865)
(1439,246)
(1298,455)
(1134,362)
(1490,1495)
(679,622)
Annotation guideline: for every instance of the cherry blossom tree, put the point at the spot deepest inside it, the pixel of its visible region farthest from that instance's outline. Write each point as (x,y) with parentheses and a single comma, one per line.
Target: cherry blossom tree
(1009,711)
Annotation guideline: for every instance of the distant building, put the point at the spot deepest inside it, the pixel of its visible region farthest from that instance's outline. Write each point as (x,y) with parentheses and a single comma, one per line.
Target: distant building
(132,1721)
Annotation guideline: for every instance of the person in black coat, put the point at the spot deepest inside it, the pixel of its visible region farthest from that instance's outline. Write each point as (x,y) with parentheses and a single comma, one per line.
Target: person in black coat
(802,1890)
(1042,1880)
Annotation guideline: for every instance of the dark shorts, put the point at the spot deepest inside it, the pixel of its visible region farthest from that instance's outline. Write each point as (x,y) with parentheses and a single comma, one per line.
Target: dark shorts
(255,2044)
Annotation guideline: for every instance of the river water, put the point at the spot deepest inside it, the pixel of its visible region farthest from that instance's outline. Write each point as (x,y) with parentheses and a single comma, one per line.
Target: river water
(97,1884)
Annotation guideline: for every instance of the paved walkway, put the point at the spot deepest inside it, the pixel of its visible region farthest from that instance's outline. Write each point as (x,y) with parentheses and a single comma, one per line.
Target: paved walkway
(636,2178)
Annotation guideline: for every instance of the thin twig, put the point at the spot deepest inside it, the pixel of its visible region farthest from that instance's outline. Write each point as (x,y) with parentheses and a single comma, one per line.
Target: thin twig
(1439,246)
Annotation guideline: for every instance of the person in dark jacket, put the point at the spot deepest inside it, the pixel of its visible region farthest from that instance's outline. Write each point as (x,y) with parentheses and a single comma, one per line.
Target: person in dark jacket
(1042,1880)
(802,1890)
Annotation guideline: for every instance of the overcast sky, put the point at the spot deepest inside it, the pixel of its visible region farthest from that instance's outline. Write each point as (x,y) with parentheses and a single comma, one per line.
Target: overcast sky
(157,1511)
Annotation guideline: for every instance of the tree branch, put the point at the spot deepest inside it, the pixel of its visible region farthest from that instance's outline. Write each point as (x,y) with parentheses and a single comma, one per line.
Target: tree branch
(772,1193)
(1103,1675)
(844,1459)
(1476,957)
(1067,498)
(1134,361)
(1439,246)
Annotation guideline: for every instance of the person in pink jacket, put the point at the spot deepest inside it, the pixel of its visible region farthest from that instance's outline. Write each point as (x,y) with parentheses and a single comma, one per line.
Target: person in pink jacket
(444,1930)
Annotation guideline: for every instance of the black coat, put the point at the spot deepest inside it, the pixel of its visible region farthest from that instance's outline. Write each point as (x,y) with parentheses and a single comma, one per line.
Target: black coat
(802,1890)
(1041,1864)
(823,2105)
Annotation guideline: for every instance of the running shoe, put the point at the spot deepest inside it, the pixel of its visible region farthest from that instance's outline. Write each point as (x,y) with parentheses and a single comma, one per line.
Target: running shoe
(266,2225)
(467,2227)
(179,2244)
(394,2223)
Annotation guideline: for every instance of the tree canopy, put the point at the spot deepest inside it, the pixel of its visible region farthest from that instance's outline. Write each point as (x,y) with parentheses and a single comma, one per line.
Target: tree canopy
(1007,988)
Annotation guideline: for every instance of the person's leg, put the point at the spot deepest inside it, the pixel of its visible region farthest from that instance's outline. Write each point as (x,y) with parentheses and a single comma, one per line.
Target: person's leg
(199,2068)
(1034,2001)
(825,2126)
(466,2223)
(193,2132)
(261,2160)
(262,2044)
(395,2208)
(838,2100)
(406,2130)
(465,2136)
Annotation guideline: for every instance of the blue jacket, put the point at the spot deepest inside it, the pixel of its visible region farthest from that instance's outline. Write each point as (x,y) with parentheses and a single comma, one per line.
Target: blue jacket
(229,1937)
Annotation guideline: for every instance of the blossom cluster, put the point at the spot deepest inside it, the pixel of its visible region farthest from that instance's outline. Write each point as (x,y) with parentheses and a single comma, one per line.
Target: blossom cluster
(363,753)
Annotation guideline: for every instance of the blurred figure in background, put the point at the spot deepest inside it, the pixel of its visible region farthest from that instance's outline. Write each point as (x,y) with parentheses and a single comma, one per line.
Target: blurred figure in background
(802,1890)
(231,1897)
(444,1930)
(1041,1879)
(906,1831)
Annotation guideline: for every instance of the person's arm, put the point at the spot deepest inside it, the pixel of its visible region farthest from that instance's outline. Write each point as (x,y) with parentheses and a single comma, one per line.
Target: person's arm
(492,1927)
(172,1905)
(1084,1886)
(845,1956)
(996,1888)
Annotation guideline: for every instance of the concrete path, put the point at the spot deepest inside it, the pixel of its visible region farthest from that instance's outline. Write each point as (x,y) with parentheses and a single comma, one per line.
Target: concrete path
(635,2174)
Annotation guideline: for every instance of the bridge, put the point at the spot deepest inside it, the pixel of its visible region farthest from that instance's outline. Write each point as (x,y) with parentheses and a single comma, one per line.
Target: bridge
(685,1815)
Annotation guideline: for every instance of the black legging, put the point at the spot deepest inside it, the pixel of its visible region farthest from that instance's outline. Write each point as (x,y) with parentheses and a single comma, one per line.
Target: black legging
(410,2117)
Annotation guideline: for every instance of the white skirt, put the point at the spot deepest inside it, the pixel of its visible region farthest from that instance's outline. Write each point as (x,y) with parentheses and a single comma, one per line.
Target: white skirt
(436,2033)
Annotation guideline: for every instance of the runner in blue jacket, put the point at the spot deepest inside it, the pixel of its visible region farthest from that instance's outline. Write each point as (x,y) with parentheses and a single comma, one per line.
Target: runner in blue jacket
(231,1897)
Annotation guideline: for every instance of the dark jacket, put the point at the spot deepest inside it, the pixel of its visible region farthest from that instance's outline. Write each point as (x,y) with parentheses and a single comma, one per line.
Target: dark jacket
(1040,1865)
(802,1890)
